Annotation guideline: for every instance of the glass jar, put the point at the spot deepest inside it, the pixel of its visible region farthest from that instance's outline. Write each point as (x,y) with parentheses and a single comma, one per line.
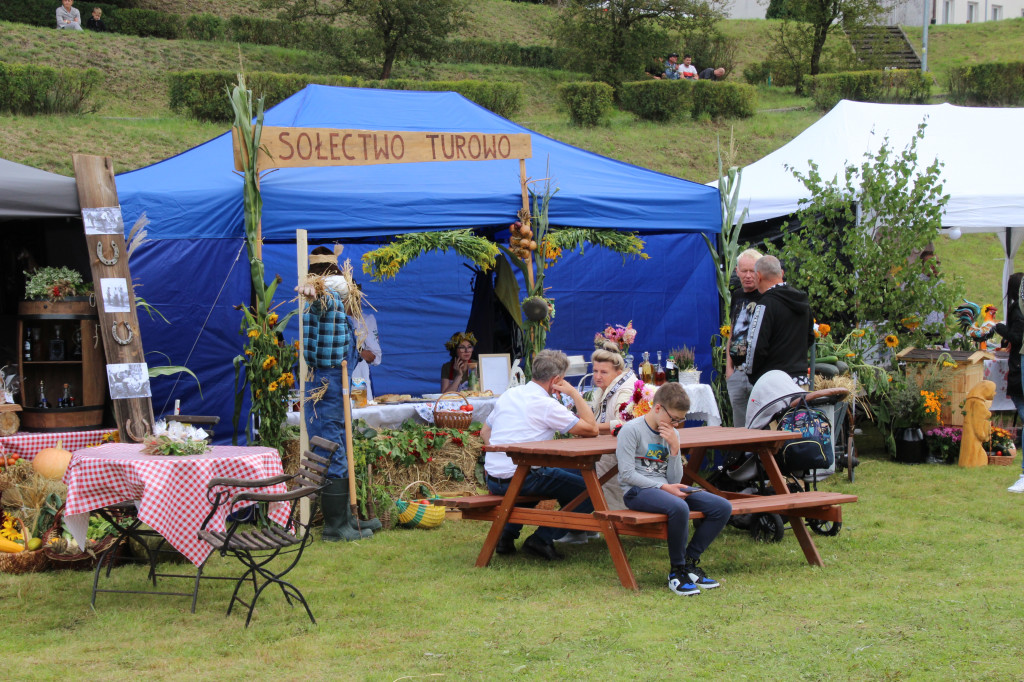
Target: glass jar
(358,393)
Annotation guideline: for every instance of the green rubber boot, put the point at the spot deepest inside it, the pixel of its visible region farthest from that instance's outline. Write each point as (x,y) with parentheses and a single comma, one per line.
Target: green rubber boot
(337,514)
(364,524)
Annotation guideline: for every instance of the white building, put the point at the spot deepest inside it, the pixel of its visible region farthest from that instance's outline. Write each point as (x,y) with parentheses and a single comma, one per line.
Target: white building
(911,12)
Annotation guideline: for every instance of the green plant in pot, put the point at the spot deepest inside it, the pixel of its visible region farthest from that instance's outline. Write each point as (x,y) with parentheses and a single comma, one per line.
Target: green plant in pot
(903,407)
(54,284)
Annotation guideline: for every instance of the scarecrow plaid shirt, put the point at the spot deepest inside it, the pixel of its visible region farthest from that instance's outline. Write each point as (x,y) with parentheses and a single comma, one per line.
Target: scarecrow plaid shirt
(326,333)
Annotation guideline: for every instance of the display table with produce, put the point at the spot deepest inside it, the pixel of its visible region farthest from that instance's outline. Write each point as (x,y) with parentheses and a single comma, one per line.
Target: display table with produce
(392,415)
(26,444)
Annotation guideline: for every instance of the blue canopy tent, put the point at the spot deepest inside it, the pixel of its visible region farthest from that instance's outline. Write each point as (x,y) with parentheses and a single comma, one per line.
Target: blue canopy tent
(194,269)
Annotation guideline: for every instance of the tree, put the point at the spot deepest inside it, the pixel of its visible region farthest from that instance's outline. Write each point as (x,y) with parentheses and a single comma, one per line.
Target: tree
(799,38)
(855,254)
(386,29)
(615,40)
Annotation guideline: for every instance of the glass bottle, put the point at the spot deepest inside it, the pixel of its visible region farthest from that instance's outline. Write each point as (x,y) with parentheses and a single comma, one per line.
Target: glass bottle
(671,371)
(57,344)
(65,399)
(646,371)
(474,377)
(27,356)
(43,402)
(76,344)
(659,372)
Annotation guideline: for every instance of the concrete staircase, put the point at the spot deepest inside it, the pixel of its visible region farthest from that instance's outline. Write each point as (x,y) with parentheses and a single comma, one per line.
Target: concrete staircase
(880,47)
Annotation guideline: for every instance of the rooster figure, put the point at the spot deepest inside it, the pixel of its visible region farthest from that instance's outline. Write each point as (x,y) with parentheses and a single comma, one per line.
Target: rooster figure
(978,323)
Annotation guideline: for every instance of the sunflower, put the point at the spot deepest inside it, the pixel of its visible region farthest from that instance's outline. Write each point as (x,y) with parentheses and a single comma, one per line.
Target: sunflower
(857,333)
(272,319)
(269,362)
(254,333)
(272,387)
(892,341)
(725,330)
(8,531)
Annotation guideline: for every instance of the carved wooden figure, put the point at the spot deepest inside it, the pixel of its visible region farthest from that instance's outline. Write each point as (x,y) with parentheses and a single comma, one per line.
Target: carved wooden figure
(977,427)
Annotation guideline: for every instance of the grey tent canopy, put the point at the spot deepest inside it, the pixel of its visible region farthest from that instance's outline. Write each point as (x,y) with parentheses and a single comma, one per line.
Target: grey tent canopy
(32,193)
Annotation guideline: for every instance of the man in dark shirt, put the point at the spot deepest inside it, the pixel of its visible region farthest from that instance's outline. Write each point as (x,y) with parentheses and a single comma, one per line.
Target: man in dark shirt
(781,327)
(710,74)
(743,301)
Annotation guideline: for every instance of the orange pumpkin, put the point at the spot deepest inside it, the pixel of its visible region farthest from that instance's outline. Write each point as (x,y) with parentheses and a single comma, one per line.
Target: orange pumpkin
(52,462)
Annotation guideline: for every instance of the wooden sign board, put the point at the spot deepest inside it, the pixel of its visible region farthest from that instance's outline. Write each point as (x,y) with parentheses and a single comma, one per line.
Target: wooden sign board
(306,147)
(119,322)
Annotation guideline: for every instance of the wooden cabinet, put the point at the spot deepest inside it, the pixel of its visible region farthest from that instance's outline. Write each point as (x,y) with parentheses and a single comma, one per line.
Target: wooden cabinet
(50,326)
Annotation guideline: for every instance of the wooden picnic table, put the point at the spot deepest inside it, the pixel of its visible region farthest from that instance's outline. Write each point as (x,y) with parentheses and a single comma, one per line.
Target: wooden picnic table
(582,454)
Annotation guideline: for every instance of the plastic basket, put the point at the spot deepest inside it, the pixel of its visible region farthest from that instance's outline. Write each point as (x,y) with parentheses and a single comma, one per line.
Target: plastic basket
(412,514)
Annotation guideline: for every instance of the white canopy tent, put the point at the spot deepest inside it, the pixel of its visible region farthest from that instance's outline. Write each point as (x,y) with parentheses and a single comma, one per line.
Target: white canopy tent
(982,149)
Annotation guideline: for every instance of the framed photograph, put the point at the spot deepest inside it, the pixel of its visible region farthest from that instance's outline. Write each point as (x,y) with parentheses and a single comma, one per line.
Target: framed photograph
(495,371)
(115,295)
(128,380)
(103,220)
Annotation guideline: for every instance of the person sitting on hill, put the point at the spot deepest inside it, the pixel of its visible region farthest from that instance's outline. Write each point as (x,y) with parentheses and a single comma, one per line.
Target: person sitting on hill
(95,22)
(68,17)
(687,70)
(710,74)
(672,67)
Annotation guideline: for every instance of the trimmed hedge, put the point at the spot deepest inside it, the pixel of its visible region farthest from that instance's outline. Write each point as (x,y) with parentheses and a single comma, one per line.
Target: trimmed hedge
(509,54)
(303,35)
(758,73)
(656,100)
(118,16)
(900,86)
(27,89)
(723,100)
(202,94)
(146,23)
(588,102)
(205,27)
(989,84)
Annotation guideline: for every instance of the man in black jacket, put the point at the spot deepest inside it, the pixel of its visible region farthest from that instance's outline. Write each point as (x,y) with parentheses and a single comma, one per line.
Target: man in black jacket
(781,328)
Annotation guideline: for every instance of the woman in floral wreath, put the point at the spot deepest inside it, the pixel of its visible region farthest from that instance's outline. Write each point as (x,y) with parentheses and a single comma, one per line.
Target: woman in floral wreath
(613,390)
(455,372)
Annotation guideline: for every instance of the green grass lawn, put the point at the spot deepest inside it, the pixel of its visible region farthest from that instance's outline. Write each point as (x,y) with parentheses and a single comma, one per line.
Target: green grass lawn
(922,582)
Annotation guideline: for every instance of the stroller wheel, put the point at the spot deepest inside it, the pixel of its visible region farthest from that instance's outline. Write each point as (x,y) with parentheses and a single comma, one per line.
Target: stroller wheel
(767,528)
(825,527)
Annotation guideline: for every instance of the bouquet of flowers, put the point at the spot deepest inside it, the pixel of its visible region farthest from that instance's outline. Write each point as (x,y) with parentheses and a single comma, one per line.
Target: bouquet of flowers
(639,402)
(623,337)
(175,438)
(1000,443)
(944,442)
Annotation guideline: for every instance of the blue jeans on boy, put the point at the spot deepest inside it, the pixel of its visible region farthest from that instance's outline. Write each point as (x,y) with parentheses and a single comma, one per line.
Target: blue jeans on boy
(717,511)
(326,418)
(562,484)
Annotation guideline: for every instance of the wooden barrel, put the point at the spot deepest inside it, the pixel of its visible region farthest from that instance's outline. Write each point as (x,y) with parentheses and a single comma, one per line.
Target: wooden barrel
(58,356)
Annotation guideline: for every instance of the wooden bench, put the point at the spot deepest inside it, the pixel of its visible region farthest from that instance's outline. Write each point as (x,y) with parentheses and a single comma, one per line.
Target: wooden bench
(813,504)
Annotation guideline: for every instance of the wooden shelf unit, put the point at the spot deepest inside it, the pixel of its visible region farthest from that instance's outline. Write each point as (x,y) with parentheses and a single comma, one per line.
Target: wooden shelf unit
(87,376)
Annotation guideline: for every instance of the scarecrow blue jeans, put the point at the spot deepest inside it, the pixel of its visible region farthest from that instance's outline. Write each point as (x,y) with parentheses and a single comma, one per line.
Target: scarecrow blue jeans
(326,418)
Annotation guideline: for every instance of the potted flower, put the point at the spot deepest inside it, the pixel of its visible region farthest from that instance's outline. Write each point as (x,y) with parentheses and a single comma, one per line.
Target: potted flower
(1000,447)
(903,407)
(944,443)
(685,362)
(54,284)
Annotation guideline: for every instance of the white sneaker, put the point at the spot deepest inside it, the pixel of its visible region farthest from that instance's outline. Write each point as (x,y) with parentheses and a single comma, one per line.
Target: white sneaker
(1017,487)
(574,537)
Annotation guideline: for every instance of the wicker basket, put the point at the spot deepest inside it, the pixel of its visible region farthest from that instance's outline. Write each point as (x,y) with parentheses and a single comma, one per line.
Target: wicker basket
(1000,460)
(23,562)
(448,419)
(418,514)
(80,561)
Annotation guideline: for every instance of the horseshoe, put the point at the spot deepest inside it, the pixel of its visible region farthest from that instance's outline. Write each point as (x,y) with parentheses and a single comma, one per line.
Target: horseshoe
(113,247)
(123,342)
(131,432)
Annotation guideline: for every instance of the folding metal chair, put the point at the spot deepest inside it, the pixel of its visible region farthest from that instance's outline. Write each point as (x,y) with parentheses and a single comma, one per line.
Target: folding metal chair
(257,548)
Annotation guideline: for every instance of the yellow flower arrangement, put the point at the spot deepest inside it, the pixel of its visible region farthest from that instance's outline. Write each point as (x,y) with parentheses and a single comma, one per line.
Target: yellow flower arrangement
(8,531)
(892,341)
(932,404)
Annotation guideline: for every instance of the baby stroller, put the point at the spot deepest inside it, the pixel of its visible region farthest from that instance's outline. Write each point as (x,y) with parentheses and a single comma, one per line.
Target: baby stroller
(805,461)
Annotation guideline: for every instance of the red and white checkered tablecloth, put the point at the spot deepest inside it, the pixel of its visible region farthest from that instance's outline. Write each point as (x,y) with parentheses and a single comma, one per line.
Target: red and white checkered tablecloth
(28,443)
(169,492)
